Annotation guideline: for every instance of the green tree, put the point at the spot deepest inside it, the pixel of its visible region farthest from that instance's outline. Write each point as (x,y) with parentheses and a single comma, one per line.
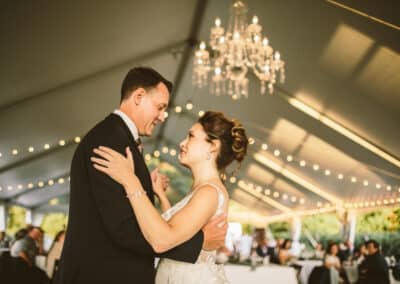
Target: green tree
(16,219)
(53,223)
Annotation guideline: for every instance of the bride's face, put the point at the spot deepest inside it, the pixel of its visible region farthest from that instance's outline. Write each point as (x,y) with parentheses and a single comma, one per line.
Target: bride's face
(194,148)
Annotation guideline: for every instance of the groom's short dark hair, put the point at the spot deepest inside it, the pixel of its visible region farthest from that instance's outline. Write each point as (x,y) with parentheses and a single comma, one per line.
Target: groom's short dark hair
(142,77)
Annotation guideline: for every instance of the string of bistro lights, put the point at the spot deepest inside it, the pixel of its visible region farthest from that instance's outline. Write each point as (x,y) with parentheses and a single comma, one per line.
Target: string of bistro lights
(38,184)
(178,109)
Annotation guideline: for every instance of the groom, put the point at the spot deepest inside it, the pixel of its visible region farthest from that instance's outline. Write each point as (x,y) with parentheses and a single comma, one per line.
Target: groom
(104,243)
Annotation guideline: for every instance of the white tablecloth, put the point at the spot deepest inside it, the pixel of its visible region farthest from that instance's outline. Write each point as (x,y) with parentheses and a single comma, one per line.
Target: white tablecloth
(271,274)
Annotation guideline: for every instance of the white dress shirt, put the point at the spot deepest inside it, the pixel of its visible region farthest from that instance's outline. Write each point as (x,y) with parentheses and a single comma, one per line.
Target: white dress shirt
(131,125)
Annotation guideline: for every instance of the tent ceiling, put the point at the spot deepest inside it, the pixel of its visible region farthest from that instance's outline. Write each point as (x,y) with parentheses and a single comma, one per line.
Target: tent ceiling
(62,65)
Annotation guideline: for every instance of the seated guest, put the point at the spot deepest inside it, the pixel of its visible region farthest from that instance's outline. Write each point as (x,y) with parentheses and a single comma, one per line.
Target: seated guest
(374,268)
(261,243)
(26,247)
(331,258)
(284,252)
(360,254)
(4,242)
(344,251)
(54,253)
(26,250)
(319,251)
(20,234)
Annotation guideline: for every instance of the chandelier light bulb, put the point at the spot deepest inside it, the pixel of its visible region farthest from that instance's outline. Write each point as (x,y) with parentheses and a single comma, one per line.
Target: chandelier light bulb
(255,20)
(277,56)
(238,50)
(189,106)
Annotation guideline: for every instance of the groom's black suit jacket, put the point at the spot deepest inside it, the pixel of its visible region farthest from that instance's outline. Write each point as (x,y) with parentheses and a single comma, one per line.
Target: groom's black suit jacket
(104,243)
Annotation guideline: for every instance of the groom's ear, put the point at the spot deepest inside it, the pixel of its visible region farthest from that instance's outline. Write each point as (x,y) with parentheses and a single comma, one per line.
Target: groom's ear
(137,95)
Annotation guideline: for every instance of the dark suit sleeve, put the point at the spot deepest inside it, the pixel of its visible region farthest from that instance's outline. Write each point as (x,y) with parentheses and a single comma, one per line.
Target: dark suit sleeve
(188,251)
(113,206)
(118,216)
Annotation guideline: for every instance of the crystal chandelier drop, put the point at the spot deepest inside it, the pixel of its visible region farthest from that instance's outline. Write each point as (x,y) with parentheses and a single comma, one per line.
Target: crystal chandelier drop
(233,53)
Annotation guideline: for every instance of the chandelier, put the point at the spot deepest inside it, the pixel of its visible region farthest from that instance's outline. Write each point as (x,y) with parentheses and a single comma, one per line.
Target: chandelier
(234,52)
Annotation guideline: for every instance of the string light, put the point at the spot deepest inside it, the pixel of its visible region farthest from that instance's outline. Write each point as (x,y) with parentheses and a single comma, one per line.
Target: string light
(61,143)
(189,106)
(178,109)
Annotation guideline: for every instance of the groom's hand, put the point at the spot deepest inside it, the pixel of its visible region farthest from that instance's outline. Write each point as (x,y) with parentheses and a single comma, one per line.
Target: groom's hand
(215,232)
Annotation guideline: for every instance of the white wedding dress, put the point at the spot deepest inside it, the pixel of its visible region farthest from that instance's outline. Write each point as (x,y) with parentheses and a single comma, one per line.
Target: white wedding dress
(205,270)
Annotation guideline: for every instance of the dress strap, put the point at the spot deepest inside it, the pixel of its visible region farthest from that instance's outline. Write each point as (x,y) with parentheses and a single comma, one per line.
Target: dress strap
(221,196)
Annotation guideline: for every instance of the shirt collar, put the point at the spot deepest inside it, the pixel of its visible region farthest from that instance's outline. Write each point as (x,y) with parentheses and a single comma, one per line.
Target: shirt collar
(131,125)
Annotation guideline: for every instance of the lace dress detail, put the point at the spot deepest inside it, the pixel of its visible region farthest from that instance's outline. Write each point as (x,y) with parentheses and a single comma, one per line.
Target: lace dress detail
(205,270)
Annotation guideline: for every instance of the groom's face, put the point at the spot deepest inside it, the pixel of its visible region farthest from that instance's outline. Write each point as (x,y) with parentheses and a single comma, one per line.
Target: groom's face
(152,108)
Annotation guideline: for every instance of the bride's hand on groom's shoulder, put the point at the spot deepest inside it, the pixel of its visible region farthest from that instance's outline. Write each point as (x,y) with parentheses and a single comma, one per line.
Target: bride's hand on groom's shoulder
(119,167)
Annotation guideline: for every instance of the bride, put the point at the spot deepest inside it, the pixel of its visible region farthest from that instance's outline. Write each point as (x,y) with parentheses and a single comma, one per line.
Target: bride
(211,145)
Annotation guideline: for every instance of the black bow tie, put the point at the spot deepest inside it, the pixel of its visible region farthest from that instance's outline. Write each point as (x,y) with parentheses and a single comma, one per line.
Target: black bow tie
(140,145)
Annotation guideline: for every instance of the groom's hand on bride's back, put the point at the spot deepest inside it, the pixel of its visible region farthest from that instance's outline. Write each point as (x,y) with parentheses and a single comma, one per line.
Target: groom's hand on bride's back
(215,232)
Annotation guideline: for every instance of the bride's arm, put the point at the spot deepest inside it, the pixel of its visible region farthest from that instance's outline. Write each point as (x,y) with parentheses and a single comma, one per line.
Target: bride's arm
(161,235)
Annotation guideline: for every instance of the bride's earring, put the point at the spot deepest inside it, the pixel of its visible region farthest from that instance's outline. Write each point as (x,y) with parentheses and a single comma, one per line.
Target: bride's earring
(208,156)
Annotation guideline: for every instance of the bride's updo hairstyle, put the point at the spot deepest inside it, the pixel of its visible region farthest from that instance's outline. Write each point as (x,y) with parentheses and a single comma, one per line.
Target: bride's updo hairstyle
(230,133)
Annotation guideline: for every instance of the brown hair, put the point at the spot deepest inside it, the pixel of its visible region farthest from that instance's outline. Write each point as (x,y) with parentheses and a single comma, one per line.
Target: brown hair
(142,77)
(230,133)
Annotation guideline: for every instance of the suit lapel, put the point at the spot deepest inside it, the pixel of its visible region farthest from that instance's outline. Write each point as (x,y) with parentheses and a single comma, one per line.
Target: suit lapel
(141,169)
